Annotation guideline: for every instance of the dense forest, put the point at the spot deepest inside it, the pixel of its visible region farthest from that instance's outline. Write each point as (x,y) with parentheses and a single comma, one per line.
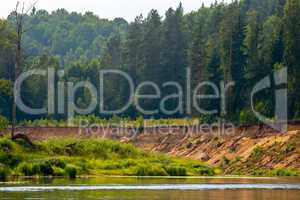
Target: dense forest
(243,42)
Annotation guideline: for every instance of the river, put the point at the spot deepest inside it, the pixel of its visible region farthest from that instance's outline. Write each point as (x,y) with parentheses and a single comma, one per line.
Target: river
(113,188)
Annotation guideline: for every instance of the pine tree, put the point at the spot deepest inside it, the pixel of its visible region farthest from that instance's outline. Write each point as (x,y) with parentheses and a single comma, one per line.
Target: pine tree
(292,53)
(232,59)
(152,47)
(250,45)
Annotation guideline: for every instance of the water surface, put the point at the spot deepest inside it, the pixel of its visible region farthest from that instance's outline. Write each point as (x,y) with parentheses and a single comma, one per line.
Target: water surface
(114,188)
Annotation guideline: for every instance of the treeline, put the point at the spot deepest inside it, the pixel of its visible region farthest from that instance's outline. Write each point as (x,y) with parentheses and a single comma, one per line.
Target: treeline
(241,42)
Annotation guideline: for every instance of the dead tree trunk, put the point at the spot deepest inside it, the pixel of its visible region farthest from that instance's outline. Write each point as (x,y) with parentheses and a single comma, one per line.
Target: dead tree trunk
(19,17)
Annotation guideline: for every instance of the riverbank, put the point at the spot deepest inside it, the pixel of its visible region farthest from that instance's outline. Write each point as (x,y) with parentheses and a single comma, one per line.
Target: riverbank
(249,155)
(80,157)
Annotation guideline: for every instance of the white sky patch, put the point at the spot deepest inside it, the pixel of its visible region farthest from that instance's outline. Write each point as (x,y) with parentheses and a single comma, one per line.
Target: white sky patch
(110,9)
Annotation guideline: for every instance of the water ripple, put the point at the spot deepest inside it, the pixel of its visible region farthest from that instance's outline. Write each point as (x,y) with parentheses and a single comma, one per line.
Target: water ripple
(152,187)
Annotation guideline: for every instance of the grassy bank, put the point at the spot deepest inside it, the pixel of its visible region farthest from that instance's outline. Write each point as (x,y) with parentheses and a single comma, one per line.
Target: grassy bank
(71,158)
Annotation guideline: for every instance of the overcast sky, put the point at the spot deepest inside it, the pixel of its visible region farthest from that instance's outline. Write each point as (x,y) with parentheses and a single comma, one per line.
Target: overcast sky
(111,9)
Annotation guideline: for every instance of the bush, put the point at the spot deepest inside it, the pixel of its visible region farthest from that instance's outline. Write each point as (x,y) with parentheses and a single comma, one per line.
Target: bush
(247,116)
(29,169)
(238,159)
(205,171)
(111,166)
(284,172)
(129,163)
(58,171)
(36,169)
(25,142)
(71,171)
(57,163)
(6,145)
(3,172)
(10,160)
(3,123)
(259,172)
(46,169)
(290,147)
(226,161)
(146,170)
(257,152)
(26,169)
(176,171)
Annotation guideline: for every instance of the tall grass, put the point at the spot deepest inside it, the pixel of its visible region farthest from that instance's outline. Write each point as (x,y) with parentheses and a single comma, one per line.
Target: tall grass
(73,157)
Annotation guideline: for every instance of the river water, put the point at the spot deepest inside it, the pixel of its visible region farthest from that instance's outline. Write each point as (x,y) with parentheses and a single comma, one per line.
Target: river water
(113,188)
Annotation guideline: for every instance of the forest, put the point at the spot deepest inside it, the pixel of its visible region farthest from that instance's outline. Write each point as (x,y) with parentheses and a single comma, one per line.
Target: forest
(241,42)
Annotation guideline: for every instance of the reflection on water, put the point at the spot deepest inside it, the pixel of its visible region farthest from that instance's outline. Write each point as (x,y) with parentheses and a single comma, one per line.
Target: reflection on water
(154,188)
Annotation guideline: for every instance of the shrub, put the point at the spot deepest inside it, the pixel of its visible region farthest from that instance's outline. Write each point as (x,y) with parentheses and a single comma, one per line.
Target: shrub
(129,163)
(6,145)
(291,146)
(58,171)
(226,160)
(71,171)
(176,171)
(217,171)
(3,172)
(247,117)
(3,123)
(25,143)
(36,169)
(26,169)
(46,169)
(238,159)
(284,172)
(57,163)
(10,160)
(205,171)
(147,170)
(259,172)
(257,152)
(111,166)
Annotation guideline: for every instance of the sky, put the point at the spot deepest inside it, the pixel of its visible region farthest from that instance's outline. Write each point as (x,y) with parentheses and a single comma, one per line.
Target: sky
(110,9)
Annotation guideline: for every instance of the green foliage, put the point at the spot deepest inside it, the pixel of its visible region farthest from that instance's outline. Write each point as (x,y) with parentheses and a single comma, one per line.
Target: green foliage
(57,163)
(241,42)
(257,152)
(71,157)
(284,172)
(104,149)
(150,170)
(4,172)
(28,169)
(291,146)
(6,145)
(58,171)
(238,159)
(176,171)
(46,169)
(247,117)
(3,123)
(10,160)
(226,161)
(276,172)
(71,171)
(205,171)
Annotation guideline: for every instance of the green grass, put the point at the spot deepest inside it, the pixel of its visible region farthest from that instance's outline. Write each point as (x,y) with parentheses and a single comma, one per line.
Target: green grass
(71,158)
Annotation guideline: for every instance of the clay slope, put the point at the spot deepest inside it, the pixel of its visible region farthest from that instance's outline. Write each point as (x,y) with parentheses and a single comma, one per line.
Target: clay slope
(249,150)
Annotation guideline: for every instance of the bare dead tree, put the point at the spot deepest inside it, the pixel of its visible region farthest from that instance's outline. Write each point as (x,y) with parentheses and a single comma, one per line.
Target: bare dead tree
(19,20)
